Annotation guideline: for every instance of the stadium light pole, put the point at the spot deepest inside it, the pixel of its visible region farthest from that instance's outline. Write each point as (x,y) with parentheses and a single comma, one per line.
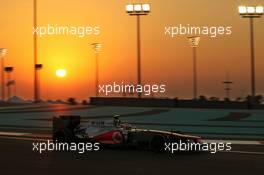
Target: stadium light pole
(97,48)
(194,42)
(138,10)
(251,12)
(35,53)
(3,52)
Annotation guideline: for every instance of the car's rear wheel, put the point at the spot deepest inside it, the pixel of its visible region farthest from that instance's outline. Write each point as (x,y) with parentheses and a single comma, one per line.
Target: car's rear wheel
(157,144)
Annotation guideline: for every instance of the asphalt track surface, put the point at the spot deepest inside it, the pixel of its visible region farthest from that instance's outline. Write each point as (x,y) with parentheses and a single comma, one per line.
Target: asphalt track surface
(18,158)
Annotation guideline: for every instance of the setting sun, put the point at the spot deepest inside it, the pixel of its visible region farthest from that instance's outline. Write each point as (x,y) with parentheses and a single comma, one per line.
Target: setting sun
(61,73)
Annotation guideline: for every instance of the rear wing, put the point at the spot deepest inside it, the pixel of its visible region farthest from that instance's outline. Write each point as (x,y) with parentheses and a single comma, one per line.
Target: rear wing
(65,121)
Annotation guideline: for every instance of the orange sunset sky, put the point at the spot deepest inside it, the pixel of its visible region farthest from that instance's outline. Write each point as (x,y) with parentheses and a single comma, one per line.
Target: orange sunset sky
(164,60)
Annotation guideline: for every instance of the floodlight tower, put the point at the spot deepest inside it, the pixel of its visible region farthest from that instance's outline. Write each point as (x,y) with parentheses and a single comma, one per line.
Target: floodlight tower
(251,12)
(97,48)
(138,10)
(36,90)
(194,42)
(3,53)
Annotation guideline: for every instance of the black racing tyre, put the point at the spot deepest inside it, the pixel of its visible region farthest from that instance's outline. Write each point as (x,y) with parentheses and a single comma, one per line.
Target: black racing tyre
(64,136)
(157,144)
(118,137)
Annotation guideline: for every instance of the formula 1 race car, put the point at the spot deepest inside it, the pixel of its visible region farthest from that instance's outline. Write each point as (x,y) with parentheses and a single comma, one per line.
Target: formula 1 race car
(115,134)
